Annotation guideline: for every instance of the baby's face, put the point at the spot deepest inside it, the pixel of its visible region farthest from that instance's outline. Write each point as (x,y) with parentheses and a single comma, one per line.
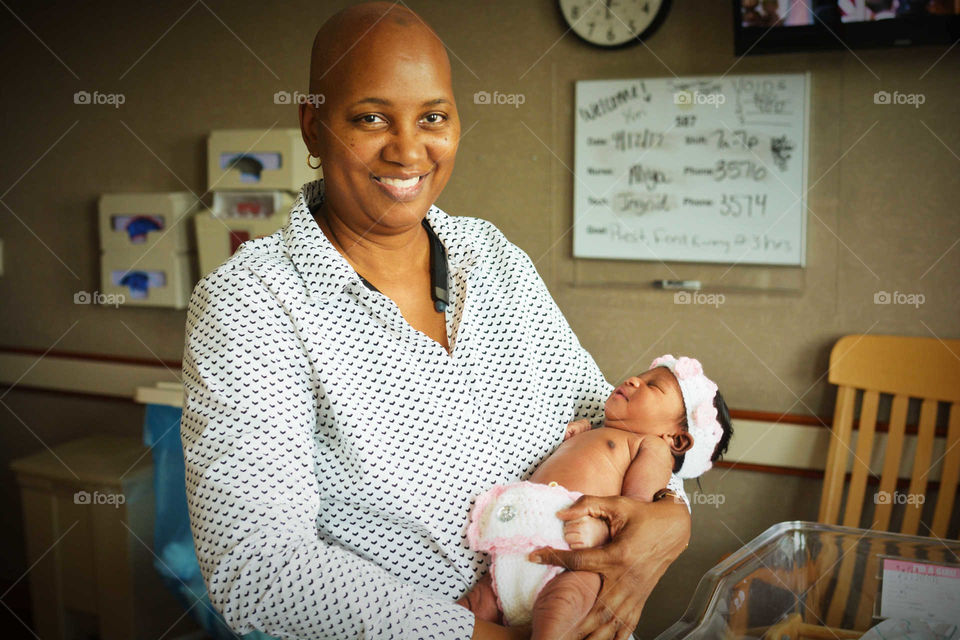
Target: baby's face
(650,404)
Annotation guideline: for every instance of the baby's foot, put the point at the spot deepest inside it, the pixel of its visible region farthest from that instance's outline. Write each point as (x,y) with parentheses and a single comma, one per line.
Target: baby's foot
(585,532)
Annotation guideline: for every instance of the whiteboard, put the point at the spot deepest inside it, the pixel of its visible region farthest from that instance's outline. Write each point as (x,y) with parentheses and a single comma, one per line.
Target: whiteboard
(695,169)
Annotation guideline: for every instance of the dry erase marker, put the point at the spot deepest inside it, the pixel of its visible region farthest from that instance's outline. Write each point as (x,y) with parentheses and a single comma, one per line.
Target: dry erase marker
(678,284)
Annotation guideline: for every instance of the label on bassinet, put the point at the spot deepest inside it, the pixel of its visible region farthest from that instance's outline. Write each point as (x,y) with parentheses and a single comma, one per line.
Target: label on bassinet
(920,590)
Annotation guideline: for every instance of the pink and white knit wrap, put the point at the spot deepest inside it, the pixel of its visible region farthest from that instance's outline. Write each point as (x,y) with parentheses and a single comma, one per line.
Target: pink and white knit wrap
(509,521)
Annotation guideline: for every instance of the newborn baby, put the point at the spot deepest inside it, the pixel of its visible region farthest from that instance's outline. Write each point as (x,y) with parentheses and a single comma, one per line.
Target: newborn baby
(668,419)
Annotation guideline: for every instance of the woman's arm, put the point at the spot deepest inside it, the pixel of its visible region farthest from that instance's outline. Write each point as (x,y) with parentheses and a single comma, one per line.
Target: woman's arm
(647,538)
(249,419)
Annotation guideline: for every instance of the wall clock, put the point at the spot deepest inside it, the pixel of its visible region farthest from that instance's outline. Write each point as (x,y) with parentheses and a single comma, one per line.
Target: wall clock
(614,23)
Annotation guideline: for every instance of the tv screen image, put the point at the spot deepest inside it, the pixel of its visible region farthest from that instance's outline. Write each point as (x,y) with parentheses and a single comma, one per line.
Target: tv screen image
(769,26)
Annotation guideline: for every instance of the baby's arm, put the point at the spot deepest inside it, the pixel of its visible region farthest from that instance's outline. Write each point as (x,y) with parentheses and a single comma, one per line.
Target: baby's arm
(649,471)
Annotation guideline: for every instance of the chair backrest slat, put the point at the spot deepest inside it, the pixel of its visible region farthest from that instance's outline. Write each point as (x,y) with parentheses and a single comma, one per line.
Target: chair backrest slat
(921,466)
(837,456)
(861,458)
(891,461)
(949,475)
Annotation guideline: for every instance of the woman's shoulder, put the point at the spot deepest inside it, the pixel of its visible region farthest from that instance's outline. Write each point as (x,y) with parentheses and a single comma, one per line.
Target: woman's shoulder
(254,264)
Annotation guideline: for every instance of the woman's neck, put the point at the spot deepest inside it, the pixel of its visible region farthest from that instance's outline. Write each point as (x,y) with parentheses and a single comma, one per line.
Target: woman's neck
(374,254)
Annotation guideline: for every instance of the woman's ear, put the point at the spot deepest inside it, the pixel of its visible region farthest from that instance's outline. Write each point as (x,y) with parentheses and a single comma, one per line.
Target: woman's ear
(682,442)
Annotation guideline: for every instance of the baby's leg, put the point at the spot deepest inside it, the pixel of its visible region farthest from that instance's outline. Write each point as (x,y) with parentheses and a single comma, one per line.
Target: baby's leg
(482,601)
(562,603)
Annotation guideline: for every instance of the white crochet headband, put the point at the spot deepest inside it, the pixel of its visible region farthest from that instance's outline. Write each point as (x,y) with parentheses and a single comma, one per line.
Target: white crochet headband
(698,392)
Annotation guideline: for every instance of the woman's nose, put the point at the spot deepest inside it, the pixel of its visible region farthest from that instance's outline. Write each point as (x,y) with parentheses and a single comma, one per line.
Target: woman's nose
(406,148)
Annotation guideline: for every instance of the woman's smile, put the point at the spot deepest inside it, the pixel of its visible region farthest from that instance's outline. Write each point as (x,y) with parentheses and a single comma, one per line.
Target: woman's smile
(402,189)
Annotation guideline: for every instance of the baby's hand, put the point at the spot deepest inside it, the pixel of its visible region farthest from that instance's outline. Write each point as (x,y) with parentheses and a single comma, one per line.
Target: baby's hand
(586,532)
(575,427)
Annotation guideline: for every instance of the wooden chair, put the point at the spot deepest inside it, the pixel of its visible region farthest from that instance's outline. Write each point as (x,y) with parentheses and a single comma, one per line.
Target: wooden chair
(924,368)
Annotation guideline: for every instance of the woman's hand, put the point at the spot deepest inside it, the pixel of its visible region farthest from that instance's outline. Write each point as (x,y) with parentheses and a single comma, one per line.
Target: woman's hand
(647,537)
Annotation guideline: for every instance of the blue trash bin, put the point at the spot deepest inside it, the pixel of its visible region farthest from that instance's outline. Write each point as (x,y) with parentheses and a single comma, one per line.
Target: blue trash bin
(176,560)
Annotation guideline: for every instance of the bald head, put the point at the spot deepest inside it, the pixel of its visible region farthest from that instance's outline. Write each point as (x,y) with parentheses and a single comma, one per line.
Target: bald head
(365,33)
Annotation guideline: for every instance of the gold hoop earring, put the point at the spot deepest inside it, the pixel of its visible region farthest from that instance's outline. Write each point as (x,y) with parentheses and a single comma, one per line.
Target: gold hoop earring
(309,156)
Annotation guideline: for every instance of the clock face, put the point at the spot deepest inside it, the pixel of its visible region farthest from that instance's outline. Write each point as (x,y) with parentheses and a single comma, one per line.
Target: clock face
(614,23)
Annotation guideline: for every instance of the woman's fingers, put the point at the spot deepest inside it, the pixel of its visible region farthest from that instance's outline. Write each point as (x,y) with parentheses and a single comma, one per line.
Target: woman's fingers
(608,630)
(595,559)
(624,633)
(616,612)
(607,624)
(608,508)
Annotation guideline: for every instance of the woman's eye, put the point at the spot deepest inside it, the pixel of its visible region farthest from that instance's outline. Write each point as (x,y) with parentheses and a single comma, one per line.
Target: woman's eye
(439,118)
(368,118)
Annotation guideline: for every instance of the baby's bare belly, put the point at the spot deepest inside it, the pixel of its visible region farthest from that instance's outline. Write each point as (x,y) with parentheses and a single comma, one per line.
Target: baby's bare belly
(593,462)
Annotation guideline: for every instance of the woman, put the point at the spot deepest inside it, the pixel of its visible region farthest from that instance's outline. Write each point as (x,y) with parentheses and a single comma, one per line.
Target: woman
(339,418)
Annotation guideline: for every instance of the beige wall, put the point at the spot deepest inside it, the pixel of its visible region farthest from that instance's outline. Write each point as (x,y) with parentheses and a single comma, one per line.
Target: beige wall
(883,201)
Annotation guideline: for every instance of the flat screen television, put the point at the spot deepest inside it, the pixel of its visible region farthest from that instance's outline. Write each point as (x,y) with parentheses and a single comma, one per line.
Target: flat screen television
(774,26)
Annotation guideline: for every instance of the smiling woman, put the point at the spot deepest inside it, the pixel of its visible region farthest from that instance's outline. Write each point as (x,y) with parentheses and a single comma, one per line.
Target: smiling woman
(337,424)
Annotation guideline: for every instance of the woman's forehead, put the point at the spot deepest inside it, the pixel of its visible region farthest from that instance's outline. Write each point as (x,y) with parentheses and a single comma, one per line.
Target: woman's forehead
(409,80)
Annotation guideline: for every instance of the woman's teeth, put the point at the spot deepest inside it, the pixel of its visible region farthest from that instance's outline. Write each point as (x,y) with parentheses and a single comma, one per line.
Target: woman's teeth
(400,184)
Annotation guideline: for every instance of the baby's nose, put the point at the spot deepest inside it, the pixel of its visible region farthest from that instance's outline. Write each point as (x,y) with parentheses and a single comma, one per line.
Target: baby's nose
(633,381)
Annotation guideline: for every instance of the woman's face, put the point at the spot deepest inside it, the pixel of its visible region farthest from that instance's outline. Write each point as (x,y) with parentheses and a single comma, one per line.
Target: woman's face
(387,131)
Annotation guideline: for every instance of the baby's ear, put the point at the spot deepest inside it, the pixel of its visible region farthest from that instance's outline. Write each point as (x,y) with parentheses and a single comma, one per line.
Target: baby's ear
(682,442)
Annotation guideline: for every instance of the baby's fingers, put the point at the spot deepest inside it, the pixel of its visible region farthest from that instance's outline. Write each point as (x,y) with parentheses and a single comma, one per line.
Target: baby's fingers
(576,427)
